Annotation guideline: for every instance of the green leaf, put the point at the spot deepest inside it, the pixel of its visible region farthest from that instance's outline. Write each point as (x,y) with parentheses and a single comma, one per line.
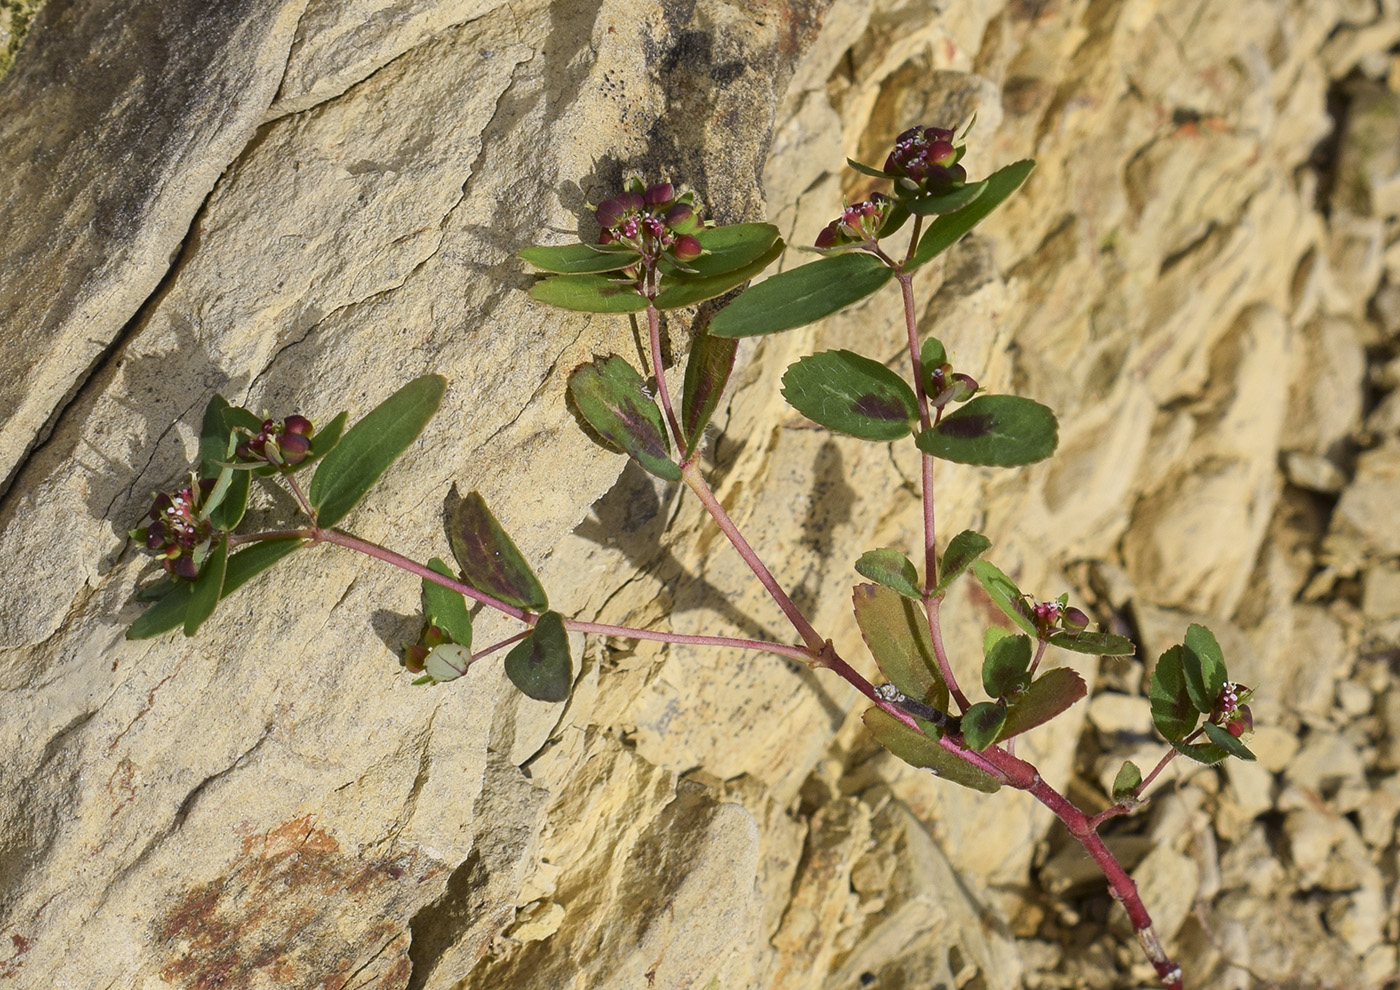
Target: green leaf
(731,248)
(851,394)
(578,259)
(1126,783)
(869,170)
(156,591)
(944,232)
(1005,666)
(611,396)
(540,665)
(677,291)
(921,751)
(706,373)
(932,354)
(323,441)
(1099,644)
(371,445)
(217,441)
(1050,694)
(895,629)
(1000,430)
(949,202)
(803,295)
(208,587)
(892,569)
(164,615)
(445,608)
(1228,742)
(252,560)
(1172,711)
(489,559)
(993,635)
(1204,665)
(1207,753)
(981,724)
(446,662)
(1003,593)
(588,294)
(895,218)
(962,550)
(214,433)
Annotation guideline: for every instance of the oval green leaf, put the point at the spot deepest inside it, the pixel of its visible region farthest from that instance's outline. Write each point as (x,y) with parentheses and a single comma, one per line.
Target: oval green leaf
(1050,694)
(869,170)
(944,232)
(1229,743)
(208,587)
(892,569)
(445,608)
(686,290)
(981,724)
(169,612)
(919,750)
(962,550)
(1127,781)
(851,394)
(578,259)
(1204,666)
(488,557)
(802,295)
(997,430)
(1003,593)
(1172,711)
(1098,644)
(895,629)
(706,373)
(611,396)
(371,445)
(540,665)
(1005,666)
(949,202)
(588,294)
(165,615)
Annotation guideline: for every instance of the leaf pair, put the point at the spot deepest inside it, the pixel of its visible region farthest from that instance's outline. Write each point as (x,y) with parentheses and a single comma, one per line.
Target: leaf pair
(1021,704)
(895,571)
(1186,684)
(734,255)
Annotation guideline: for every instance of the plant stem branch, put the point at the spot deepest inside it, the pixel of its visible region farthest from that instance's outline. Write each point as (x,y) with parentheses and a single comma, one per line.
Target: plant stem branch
(658,368)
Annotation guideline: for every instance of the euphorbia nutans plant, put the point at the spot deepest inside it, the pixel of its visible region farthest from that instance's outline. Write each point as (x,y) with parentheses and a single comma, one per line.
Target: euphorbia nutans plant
(654,252)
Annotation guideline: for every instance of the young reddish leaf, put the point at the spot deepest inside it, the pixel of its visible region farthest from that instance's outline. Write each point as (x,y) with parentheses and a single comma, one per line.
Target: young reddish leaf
(919,750)
(588,294)
(1204,666)
(489,559)
(949,202)
(540,665)
(371,445)
(895,629)
(578,259)
(1126,783)
(611,396)
(998,430)
(944,232)
(962,550)
(706,374)
(851,394)
(803,295)
(445,608)
(1172,711)
(892,569)
(1005,666)
(208,587)
(1003,593)
(1049,694)
(1099,644)
(1229,743)
(981,724)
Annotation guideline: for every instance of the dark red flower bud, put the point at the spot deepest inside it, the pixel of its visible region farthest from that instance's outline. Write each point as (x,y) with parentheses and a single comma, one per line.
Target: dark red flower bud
(298,425)
(184,567)
(609,212)
(941,152)
(932,134)
(687,248)
(1242,722)
(413,657)
(681,219)
(294,447)
(660,194)
(630,201)
(828,236)
(606,236)
(1075,619)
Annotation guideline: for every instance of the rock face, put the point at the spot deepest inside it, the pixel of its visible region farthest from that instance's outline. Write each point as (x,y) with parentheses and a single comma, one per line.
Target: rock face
(302,205)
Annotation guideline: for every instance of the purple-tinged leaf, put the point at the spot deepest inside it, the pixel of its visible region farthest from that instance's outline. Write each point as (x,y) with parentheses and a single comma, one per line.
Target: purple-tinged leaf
(706,373)
(998,430)
(895,629)
(489,559)
(919,750)
(851,394)
(892,569)
(982,724)
(962,550)
(1126,783)
(540,664)
(611,396)
(1005,666)
(1049,694)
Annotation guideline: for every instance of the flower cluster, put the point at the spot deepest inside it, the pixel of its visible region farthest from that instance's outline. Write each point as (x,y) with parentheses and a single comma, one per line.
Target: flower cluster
(925,161)
(283,444)
(945,386)
(1231,712)
(1051,616)
(858,223)
(178,532)
(652,220)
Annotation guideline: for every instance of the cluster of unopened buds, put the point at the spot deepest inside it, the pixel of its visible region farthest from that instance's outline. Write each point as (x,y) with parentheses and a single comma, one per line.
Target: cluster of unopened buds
(1231,712)
(1050,616)
(946,385)
(858,223)
(178,534)
(925,160)
(283,443)
(652,220)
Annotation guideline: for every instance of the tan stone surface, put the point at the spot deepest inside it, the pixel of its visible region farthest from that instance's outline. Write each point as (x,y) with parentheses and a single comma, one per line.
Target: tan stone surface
(302,209)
